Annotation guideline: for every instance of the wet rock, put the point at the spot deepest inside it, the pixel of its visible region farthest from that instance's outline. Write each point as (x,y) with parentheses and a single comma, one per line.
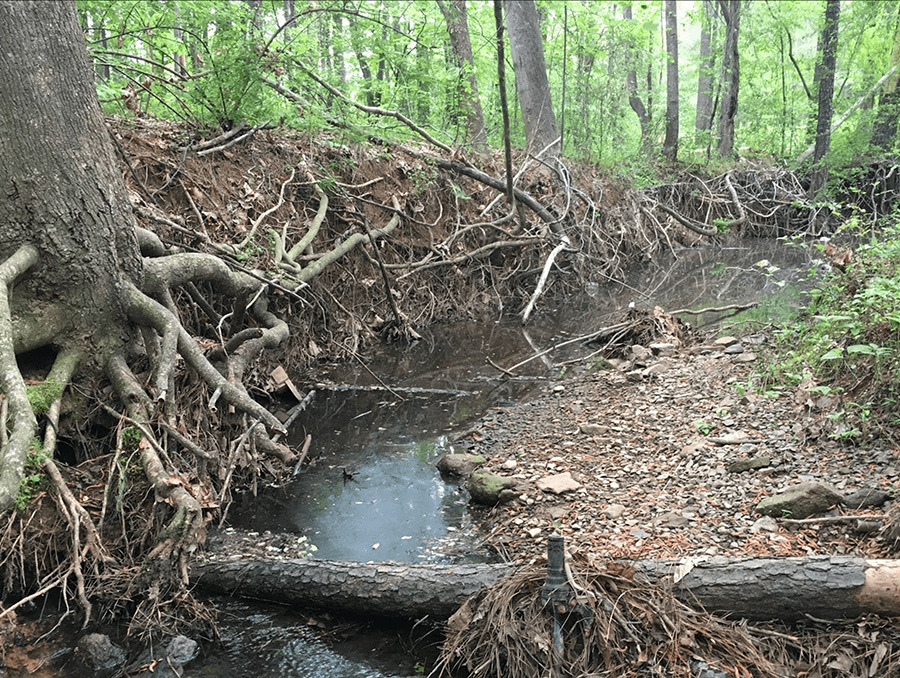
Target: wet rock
(459,464)
(866,498)
(741,465)
(168,662)
(98,653)
(489,489)
(800,501)
(558,483)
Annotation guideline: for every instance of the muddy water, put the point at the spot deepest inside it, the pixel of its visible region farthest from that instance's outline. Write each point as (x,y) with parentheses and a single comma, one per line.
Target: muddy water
(371,491)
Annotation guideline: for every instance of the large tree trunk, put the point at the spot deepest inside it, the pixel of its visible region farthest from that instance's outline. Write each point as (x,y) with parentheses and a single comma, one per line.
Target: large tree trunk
(670,144)
(469,101)
(731,11)
(532,84)
(826,93)
(755,588)
(708,26)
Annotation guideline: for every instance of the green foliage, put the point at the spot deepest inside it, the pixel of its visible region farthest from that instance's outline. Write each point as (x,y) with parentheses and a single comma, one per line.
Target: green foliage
(41,396)
(34,480)
(849,340)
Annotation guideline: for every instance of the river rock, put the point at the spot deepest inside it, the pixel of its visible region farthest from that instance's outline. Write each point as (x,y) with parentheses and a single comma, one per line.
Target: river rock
(641,355)
(169,662)
(741,465)
(800,501)
(867,497)
(558,483)
(459,464)
(725,341)
(489,489)
(99,654)
(745,357)
(662,349)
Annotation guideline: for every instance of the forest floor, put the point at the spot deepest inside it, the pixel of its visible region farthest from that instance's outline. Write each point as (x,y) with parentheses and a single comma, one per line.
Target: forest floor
(652,451)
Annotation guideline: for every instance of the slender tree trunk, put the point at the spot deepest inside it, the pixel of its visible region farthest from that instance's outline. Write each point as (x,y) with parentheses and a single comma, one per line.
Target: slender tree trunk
(826,92)
(670,144)
(885,129)
(708,26)
(532,84)
(634,99)
(731,12)
(469,101)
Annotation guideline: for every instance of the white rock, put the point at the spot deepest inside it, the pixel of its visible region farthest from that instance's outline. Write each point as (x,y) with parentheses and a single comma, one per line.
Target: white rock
(558,483)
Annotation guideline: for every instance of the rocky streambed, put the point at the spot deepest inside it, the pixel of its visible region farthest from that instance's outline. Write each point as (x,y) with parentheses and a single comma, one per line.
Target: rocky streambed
(670,453)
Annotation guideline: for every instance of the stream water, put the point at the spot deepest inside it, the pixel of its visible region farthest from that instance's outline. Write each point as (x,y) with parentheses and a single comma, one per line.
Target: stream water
(371,491)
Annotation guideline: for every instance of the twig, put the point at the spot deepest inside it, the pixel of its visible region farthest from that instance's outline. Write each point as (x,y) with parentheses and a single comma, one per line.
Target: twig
(833,519)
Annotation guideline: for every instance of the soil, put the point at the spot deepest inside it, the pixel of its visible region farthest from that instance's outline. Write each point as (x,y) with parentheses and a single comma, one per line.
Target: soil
(651,449)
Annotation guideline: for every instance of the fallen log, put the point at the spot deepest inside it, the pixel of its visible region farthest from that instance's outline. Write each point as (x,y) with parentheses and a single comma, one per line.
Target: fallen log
(828,587)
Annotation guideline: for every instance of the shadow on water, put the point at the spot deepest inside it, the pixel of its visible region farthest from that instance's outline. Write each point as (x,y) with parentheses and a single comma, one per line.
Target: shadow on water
(371,491)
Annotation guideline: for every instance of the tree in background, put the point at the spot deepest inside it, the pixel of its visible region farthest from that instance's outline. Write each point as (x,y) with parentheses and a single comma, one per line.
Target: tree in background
(731,12)
(468,102)
(670,145)
(825,96)
(643,113)
(709,23)
(884,132)
(532,85)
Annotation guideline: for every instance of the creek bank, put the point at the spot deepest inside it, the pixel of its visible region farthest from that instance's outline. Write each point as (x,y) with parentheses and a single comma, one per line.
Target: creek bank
(651,441)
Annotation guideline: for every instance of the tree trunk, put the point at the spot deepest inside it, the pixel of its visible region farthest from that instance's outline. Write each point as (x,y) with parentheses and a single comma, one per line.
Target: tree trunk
(885,129)
(826,92)
(731,12)
(468,99)
(532,84)
(670,144)
(634,99)
(829,587)
(708,26)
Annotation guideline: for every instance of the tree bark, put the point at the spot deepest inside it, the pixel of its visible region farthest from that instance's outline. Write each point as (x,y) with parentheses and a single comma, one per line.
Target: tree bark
(634,99)
(826,93)
(670,144)
(885,128)
(731,12)
(532,84)
(828,587)
(708,25)
(469,101)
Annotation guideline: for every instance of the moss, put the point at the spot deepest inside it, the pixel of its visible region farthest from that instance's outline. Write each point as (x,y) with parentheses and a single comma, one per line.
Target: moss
(41,396)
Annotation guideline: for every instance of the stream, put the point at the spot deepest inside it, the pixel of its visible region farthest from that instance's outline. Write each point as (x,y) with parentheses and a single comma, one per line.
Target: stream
(371,491)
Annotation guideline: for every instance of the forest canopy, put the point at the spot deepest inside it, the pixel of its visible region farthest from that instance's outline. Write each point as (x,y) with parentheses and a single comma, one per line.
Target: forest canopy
(309,65)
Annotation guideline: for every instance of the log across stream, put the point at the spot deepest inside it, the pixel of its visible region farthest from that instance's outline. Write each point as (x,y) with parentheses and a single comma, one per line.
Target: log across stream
(829,587)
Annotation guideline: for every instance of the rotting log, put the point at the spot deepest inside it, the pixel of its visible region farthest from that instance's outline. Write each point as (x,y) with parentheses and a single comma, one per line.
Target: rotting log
(828,587)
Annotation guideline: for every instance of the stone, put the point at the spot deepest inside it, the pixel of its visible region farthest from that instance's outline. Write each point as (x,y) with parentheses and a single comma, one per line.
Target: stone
(746,357)
(592,429)
(459,464)
(534,532)
(614,511)
(558,483)
(662,349)
(660,367)
(509,465)
(641,355)
(98,653)
(866,498)
(726,341)
(672,519)
(489,489)
(764,524)
(800,501)
(741,465)
(182,650)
